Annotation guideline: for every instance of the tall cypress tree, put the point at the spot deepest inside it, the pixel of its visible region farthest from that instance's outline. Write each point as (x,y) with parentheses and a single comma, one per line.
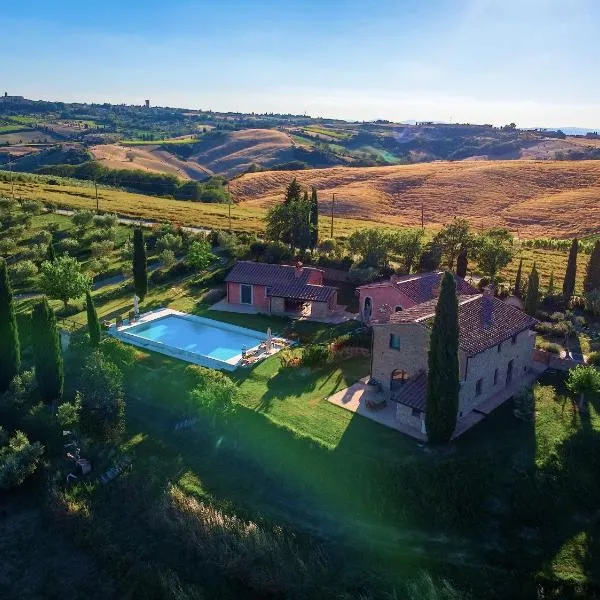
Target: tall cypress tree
(442,381)
(518,289)
(46,352)
(592,273)
(571,272)
(462,263)
(551,284)
(92,320)
(51,253)
(10,355)
(314,219)
(533,292)
(292,192)
(140,273)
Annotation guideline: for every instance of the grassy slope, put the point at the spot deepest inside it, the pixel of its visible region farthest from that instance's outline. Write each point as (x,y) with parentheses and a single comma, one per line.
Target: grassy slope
(556,199)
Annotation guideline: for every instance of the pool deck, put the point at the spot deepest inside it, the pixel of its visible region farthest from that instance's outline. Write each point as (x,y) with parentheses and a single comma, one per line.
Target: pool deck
(122,333)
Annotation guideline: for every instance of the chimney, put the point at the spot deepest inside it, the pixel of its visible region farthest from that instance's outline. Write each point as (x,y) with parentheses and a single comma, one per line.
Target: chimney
(298,269)
(489,290)
(487,307)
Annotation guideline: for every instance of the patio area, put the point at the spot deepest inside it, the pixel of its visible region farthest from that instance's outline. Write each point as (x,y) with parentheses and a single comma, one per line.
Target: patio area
(355,398)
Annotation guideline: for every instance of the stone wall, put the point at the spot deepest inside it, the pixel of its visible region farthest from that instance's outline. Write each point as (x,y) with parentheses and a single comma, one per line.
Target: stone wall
(483,365)
(277,305)
(412,356)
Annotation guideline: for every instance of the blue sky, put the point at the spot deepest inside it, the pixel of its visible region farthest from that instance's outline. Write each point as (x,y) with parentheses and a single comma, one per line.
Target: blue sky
(534,62)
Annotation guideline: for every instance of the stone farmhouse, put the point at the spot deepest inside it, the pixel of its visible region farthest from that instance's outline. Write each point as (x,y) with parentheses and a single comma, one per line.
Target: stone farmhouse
(280,290)
(400,293)
(496,346)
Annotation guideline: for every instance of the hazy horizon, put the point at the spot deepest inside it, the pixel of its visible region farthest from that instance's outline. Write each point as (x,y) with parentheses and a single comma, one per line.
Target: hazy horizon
(476,61)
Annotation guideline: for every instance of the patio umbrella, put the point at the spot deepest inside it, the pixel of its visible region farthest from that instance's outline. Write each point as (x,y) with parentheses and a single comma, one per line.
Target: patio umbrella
(269,341)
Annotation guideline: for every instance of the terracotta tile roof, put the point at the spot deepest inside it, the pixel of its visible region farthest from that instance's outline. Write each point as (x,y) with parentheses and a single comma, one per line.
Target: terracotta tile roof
(484,321)
(281,281)
(301,291)
(424,287)
(246,271)
(413,392)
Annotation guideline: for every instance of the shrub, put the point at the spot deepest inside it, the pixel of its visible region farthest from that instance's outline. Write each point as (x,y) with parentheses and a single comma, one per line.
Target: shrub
(122,355)
(18,460)
(68,244)
(549,347)
(276,252)
(99,266)
(315,355)
(102,400)
(43,237)
(108,221)
(23,271)
(360,275)
(31,207)
(82,218)
(7,244)
(169,242)
(167,258)
(99,234)
(126,251)
(215,398)
(592,302)
(102,248)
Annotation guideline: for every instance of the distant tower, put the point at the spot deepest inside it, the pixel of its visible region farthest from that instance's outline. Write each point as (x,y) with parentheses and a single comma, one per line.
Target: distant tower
(147,103)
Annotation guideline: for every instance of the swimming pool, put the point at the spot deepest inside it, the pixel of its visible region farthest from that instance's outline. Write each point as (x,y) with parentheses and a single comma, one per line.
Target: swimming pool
(195,339)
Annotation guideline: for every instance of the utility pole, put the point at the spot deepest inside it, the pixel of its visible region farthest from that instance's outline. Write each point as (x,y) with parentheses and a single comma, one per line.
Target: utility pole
(12,183)
(332,207)
(96,186)
(229,205)
(422,217)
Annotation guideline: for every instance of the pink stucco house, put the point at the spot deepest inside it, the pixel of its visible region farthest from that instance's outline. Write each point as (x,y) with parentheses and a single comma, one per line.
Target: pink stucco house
(280,289)
(400,293)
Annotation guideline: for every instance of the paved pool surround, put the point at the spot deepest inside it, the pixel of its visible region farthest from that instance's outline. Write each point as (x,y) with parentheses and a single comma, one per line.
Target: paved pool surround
(196,340)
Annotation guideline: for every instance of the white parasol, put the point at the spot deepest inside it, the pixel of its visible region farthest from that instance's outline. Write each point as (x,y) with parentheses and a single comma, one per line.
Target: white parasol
(136,308)
(269,341)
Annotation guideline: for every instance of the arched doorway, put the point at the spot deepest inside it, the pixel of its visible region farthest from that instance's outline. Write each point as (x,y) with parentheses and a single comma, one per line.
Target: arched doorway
(367,309)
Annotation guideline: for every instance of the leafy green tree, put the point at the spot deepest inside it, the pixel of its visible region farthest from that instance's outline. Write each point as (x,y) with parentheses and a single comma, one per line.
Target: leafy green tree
(408,244)
(452,238)
(571,272)
(92,320)
(314,219)
(533,292)
(372,245)
(584,380)
(443,378)
(140,267)
(431,257)
(102,412)
(518,288)
(82,219)
(592,272)
(18,459)
(47,352)
(217,398)
(462,263)
(289,222)
(494,250)
(63,279)
(199,255)
(10,350)
(293,192)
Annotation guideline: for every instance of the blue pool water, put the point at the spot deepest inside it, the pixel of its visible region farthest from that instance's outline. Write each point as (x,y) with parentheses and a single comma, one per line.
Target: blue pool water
(197,336)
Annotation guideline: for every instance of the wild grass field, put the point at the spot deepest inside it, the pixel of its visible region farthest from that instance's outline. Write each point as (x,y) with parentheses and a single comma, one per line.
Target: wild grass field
(531,198)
